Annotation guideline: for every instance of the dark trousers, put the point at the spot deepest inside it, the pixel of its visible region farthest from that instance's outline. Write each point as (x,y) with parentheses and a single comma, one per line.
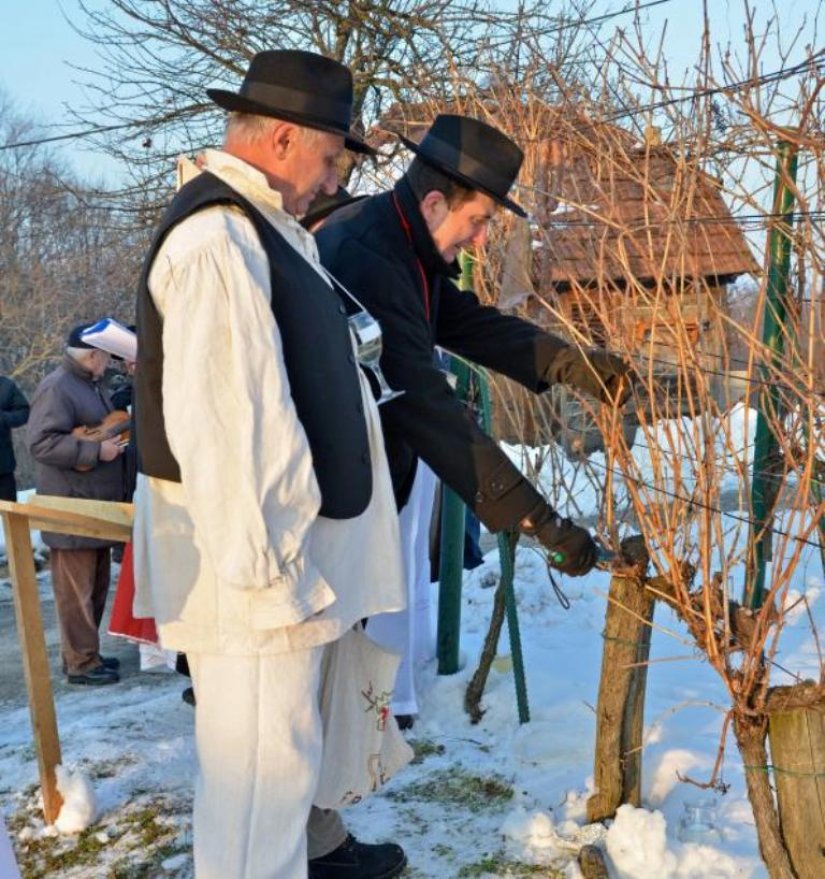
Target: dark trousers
(80,579)
(8,487)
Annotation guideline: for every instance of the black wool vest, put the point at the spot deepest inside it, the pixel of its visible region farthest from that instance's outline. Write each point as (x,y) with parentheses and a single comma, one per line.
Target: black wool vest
(317,350)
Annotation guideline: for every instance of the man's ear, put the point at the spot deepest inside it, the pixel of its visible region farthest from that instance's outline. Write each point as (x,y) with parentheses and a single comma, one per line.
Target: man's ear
(283,137)
(434,208)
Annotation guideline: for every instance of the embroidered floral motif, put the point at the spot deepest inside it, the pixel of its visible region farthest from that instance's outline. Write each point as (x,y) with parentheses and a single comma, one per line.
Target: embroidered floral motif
(379,704)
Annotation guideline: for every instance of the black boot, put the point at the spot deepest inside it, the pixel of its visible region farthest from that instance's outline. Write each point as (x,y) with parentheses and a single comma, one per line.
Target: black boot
(405,721)
(359,860)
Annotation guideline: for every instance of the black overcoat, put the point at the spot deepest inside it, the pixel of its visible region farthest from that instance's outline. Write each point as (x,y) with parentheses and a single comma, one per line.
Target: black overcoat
(14,412)
(381,249)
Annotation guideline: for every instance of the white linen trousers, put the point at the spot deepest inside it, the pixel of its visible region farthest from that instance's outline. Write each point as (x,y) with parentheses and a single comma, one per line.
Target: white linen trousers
(258,738)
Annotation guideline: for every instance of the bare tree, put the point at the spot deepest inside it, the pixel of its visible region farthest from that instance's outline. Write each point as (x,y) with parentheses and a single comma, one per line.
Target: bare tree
(65,257)
(158,58)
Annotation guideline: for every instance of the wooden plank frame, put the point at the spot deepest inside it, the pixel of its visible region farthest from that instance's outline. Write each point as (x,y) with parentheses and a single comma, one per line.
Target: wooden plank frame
(87,518)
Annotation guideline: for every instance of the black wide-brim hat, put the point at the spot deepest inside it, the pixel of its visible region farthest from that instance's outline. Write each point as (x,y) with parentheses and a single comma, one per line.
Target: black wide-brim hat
(474,154)
(299,87)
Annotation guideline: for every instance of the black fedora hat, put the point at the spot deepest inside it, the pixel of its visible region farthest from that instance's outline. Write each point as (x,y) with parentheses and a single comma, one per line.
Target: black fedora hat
(300,87)
(474,154)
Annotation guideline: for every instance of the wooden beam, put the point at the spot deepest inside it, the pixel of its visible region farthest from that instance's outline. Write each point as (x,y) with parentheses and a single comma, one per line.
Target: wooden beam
(105,520)
(115,512)
(35,658)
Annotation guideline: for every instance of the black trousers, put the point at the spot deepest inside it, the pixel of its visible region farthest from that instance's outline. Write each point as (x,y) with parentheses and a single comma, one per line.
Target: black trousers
(8,487)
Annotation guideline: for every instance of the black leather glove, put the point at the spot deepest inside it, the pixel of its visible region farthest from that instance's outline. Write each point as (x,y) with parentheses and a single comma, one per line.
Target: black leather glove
(595,371)
(570,548)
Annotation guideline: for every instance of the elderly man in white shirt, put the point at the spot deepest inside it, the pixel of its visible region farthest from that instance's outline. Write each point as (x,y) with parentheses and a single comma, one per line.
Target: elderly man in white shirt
(265,526)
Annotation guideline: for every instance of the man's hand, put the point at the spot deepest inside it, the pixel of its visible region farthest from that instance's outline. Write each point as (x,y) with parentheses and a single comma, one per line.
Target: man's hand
(109,450)
(597,372)
(570,548)
(616,377)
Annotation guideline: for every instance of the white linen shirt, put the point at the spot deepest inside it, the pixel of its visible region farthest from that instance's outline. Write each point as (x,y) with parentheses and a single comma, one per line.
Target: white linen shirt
(235,557)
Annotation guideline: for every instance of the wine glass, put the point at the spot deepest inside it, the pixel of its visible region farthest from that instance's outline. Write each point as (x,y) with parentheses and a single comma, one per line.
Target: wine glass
(368,345)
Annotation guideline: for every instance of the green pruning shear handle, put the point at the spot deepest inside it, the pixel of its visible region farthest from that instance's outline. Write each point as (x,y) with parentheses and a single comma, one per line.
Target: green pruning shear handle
(604,557)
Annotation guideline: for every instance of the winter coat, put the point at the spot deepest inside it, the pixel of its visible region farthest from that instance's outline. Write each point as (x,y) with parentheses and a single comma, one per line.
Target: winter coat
(14,412)
(67,398)
(381,249)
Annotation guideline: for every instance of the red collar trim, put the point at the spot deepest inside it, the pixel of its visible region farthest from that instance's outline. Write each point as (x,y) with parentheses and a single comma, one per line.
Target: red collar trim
(405,225)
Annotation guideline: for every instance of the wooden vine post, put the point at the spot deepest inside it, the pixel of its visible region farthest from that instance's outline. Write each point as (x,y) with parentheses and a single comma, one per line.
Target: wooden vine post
(796,729)
(102,519)
(620,709)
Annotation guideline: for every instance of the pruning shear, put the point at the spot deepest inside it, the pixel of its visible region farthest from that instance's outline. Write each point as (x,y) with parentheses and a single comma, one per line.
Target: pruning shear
(605,558)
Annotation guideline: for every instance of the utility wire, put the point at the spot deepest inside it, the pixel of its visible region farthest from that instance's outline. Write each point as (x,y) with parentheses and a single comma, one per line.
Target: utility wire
(697,503)
(607,16)
(774,76)
(742,85)
(757,220)
(72,135)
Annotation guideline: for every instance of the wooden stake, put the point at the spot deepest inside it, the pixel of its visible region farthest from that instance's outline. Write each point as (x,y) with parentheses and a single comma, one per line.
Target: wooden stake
(35,658)
(797,739)
(620,710)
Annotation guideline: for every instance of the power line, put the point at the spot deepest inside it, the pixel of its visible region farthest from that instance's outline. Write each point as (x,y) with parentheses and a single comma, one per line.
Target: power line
(752,380)
(697,503)
(774,76)
(72,135)
(765,79)
(756,220)
(607,16)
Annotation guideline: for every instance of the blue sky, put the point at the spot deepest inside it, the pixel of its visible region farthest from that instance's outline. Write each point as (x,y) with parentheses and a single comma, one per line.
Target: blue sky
(37,46)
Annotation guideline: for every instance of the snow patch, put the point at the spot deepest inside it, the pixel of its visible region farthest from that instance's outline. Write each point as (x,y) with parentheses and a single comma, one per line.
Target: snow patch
(665,773)
(79,805)
(637,845)
(533,834)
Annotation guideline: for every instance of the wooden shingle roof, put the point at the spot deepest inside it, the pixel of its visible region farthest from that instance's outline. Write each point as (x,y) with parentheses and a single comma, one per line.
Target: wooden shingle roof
(639,213)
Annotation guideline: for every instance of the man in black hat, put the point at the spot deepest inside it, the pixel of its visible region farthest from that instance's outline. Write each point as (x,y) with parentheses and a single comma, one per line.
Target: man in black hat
(397,252)
(260,466)
(67,464)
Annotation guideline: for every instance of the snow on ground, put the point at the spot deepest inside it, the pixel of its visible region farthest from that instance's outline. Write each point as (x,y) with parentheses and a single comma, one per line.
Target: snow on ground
(497,799)
(485,800)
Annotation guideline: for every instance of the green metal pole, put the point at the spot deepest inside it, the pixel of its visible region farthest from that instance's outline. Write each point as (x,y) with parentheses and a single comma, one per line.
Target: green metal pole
(451,556)
(773,335)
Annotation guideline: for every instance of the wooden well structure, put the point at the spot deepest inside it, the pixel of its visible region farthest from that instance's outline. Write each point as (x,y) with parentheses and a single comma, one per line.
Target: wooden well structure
(631,247)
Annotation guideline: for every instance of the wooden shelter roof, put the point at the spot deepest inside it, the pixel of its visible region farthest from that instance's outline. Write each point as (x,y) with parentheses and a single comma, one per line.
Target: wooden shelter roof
(638,213)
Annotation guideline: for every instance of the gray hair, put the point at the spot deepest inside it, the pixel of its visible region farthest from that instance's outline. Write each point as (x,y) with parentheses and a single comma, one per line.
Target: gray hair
(249,128)
(81,355)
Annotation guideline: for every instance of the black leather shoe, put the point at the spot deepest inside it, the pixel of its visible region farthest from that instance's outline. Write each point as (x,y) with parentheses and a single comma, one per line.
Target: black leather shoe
(110,662)
(99,676)
(359,860)
(405,721)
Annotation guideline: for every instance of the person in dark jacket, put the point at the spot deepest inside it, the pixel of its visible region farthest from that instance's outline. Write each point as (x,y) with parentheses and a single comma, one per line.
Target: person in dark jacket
(70,466)
(397,253)
(14,412)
